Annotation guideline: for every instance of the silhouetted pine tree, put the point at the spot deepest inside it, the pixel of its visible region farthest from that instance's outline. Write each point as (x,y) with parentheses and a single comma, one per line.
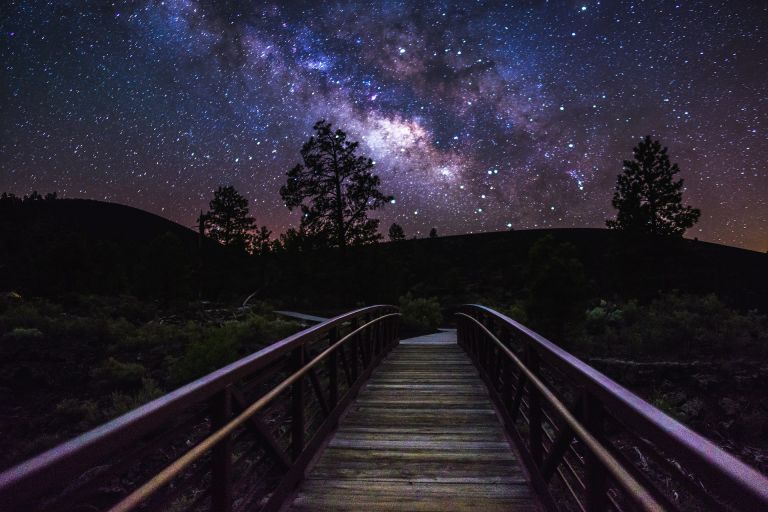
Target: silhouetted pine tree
(396,232)
(647,197)
(335,189)
(228,221)
(261,241)
(433,233)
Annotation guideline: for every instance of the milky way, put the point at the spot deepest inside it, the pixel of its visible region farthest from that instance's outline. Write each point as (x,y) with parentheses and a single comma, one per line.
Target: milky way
(480,116)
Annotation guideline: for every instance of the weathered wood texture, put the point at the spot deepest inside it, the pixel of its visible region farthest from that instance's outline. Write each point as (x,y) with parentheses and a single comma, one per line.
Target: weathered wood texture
(422,436)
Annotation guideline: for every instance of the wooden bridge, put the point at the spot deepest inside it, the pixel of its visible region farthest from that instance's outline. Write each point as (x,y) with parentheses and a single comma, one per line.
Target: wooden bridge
(344,416)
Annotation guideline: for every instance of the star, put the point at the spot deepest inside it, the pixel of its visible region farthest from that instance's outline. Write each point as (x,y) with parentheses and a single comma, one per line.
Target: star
(155,104)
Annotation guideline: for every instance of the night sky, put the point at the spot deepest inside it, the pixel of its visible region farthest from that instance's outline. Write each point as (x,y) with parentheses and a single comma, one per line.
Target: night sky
(479,115)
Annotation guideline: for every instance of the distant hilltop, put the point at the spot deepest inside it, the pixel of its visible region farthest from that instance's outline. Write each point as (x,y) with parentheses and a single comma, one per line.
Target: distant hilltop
(80,245)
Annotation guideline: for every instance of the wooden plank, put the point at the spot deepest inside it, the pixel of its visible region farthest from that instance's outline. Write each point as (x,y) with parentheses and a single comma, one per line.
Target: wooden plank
(421,436)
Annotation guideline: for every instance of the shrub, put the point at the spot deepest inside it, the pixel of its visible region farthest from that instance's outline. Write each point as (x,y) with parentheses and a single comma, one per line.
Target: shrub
(118,374)
(72,410)
(420,313)
(515,311)
(21,334)
(123,403)
(24,316)
(257,330)
(674,325)
(213,348)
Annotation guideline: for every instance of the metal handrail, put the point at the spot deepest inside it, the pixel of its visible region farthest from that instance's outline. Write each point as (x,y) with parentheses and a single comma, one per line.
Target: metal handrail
(167,474)
(629,483)
(723,473)
(40,476)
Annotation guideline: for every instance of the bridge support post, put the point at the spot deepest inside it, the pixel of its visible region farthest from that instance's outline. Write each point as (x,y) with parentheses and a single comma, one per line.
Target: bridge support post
(377,339)
(597,485)
(333,371)
(354,350)
(297,406)
(507,389)
(535,415)
(221,457)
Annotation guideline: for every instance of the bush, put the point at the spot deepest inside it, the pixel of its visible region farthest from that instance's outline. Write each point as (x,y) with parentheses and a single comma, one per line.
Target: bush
(23,316)
(210,348)
(123,403)
(22,334)
(115,373)
(257,331)
(423,314)
(674,325)
(213,348)
(72,410)
(515,311)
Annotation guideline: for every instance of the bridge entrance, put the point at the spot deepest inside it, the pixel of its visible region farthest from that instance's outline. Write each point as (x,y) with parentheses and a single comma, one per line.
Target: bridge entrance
(422,435)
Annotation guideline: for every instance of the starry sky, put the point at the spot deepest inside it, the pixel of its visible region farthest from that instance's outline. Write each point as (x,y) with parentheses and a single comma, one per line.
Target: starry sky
(480,116)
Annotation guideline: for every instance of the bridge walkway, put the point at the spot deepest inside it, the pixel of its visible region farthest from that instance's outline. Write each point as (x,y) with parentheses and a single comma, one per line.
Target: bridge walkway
(421,436)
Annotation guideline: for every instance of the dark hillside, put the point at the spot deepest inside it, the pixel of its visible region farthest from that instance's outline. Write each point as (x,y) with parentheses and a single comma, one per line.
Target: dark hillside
(491,268)
(95,219)
(79,245)
(76,245)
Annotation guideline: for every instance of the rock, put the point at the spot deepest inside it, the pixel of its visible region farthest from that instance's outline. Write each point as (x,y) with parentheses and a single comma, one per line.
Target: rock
(692,408)
(706,381)
(676,398)
(729,406)
(726,426)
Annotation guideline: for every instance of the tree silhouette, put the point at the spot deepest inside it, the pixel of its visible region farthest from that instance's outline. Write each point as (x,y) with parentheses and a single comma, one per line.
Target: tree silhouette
(433,233)
(396,232)
(296,240)
(334,189)
(228,221)
(556,283)
(261,243)
(647,198)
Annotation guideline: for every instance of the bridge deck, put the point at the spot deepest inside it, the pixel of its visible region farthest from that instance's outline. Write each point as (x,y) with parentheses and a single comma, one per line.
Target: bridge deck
(422,436)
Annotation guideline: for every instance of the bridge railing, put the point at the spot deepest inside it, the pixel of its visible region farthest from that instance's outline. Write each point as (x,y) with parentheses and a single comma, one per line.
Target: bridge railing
(591,444)
(236,439)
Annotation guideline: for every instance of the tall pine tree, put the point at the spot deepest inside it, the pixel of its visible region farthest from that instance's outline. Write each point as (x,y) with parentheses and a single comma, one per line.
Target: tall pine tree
(396,232)
(647,197)
(228,221)
(335,189)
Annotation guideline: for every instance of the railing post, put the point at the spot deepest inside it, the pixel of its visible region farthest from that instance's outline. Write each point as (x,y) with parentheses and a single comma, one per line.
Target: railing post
(507,384)
(489,349)
(354,349)
(221,456)
(333,370)
(596,484)
(370,340)
(535,413)
(476,337)
(374,342)
(459,333)
(297,406)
